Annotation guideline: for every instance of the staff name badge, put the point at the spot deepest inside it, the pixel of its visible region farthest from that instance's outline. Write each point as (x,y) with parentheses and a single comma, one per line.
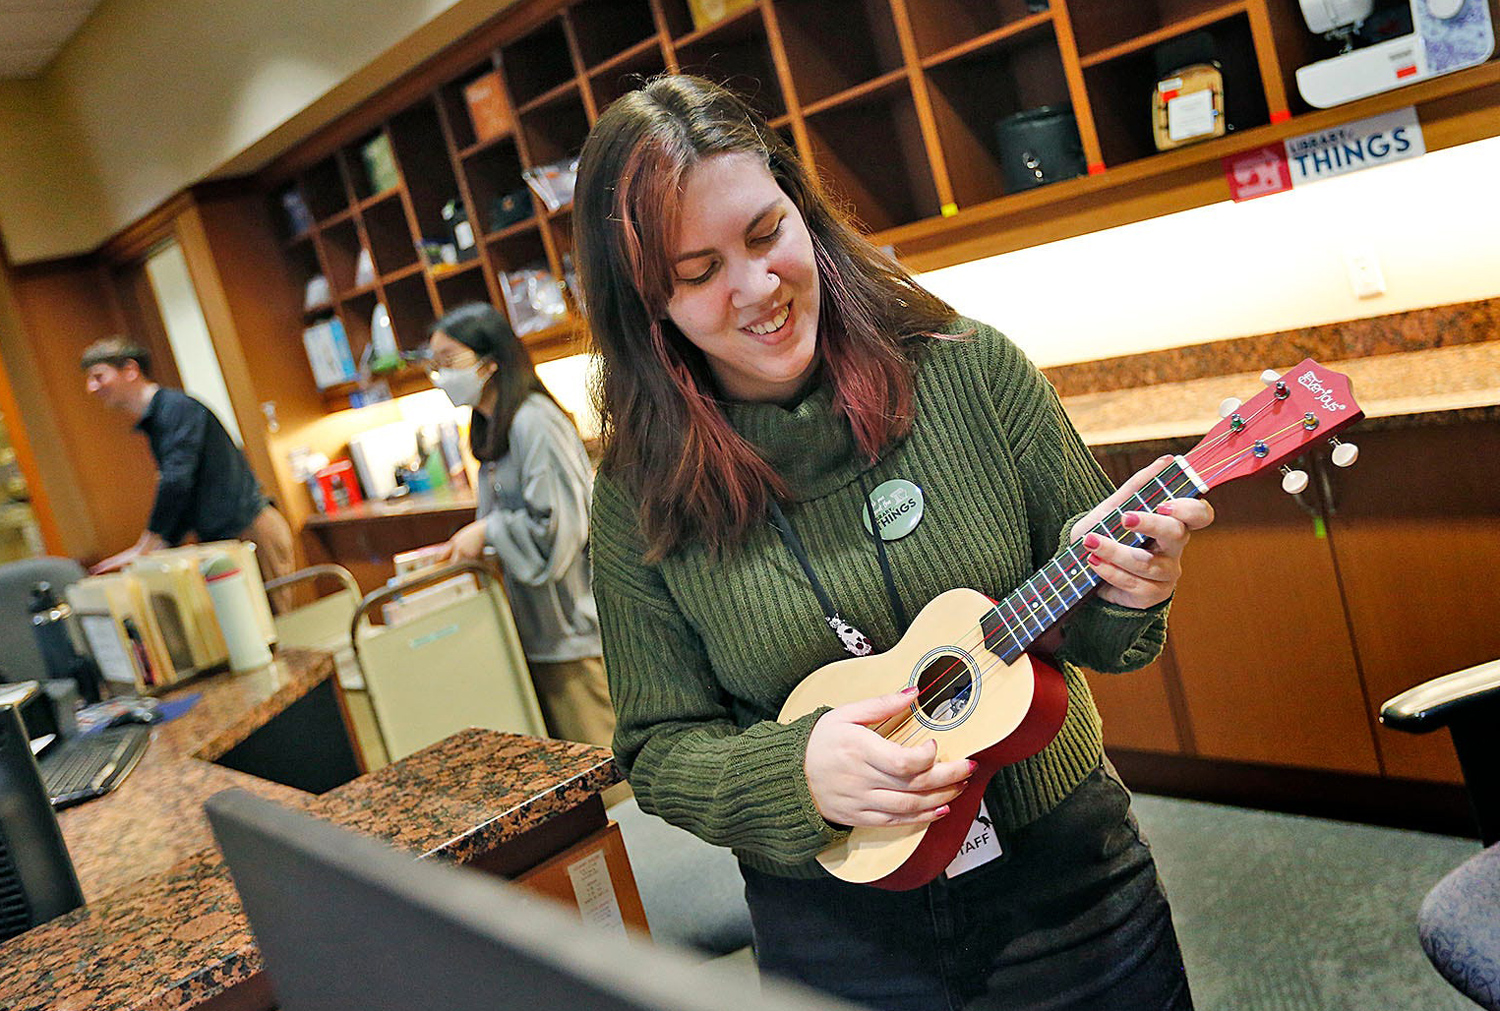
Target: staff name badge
(980,846)
(898,509)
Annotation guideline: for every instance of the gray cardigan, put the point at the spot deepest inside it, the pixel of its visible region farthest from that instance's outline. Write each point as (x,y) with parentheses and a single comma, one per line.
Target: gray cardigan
(535,505)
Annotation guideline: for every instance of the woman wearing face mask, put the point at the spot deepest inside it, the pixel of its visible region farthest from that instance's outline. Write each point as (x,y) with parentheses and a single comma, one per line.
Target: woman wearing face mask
(535,482)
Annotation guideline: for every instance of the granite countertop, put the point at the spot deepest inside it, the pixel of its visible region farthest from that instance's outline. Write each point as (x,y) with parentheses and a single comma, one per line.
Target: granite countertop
(175,935)
(449,801)
(155,818)
(1431,385)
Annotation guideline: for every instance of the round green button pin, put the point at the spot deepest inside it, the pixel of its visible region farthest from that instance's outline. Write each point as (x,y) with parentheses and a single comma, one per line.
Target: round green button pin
(898,508)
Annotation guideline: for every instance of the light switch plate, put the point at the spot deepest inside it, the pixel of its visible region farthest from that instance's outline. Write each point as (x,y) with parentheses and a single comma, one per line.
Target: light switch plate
(1365,275)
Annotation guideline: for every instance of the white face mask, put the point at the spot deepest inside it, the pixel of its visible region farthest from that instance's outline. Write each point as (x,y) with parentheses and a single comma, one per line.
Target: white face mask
(463,386)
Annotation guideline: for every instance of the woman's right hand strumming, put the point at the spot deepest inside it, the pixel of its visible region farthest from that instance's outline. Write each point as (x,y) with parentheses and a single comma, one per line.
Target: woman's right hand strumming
(858,777)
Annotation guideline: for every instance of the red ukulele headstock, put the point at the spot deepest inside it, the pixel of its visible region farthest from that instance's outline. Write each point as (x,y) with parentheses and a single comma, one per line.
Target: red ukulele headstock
(1307,403)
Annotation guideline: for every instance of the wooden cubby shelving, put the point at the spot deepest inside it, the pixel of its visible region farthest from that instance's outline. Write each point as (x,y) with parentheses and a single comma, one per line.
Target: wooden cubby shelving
(868,46)
(898,117)
(628,70)
(1016,67)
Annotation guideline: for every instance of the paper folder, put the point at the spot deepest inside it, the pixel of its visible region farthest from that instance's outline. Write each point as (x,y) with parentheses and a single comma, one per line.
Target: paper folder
(121,630)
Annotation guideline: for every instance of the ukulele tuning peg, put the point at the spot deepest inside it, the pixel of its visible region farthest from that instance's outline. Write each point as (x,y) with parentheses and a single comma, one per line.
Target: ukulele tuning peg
(1344,453)
(1270,377)
(1295,481)
(1228,406)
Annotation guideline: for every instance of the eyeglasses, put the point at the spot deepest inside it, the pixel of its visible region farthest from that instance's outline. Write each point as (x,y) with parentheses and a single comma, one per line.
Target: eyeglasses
(458,360)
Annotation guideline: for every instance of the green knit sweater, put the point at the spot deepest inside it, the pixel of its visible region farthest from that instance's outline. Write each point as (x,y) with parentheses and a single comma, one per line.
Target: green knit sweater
(702,652)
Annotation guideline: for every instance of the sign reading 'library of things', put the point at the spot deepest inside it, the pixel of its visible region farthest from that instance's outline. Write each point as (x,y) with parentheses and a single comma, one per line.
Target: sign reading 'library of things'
(1364,143)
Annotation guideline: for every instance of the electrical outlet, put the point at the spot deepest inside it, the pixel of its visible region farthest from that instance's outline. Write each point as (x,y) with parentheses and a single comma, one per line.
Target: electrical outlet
(1365,275)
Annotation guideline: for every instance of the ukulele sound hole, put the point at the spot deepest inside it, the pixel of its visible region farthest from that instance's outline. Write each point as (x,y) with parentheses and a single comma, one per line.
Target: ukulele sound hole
(947,689)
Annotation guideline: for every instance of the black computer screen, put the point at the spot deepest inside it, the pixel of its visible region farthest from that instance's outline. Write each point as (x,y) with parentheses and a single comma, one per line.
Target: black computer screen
(345,923)
(36,875)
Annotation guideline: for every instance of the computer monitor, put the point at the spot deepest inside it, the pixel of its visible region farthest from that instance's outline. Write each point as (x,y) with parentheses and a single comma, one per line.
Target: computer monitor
(32,703)
(346,923)
(37,881)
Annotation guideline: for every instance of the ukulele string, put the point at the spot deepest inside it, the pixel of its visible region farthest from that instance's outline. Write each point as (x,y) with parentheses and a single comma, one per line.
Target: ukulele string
(948,679)
(1214,471)
(1068,571)
(1230,433)
(943,681)
(1071,570)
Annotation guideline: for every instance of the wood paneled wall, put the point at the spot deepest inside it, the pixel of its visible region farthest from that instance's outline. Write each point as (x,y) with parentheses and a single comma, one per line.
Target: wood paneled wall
(33,434)
(100,464)
(252,303)
(61,307)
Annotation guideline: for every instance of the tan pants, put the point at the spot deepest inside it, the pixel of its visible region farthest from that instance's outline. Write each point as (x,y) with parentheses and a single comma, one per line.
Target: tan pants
(574,696)
(272,536)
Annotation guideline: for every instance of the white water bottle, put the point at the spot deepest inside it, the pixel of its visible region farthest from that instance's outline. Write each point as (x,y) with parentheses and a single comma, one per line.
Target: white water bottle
(230,592)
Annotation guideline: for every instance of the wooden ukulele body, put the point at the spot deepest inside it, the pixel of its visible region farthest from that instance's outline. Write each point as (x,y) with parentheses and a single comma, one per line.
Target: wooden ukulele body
(972,703)
(978,705)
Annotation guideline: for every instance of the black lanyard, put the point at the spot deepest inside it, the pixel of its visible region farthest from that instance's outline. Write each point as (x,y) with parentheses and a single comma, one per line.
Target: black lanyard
(849,637)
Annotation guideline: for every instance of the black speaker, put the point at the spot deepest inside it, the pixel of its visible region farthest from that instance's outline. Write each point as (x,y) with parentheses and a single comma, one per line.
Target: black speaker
(37,881)
(1039,146)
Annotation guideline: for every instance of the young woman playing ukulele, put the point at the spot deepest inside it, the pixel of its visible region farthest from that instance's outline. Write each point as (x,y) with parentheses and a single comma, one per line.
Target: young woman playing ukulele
(771,381)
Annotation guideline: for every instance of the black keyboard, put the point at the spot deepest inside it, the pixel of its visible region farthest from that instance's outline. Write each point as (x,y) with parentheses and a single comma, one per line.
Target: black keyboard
(91,765)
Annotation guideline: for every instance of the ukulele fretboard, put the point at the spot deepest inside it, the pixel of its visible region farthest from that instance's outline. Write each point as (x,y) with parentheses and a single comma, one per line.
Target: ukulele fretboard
(1057,587)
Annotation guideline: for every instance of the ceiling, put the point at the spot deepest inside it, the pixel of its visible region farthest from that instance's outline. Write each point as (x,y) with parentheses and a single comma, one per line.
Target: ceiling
(32,32)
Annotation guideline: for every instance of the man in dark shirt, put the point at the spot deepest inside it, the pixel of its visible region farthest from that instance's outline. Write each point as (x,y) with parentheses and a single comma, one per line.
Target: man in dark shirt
(204,484)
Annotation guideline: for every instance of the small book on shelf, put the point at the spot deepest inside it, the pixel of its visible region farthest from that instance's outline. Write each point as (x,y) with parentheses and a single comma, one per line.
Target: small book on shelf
(487,107)
(328,353)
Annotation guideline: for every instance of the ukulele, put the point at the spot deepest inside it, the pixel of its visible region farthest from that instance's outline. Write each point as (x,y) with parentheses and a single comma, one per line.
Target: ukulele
(981,695)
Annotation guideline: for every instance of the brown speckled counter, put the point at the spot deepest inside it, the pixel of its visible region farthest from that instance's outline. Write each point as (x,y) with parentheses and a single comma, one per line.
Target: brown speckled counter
(1375,336)
(471,792)
(176,937)
(155,818)
(233,706)
(1425,386)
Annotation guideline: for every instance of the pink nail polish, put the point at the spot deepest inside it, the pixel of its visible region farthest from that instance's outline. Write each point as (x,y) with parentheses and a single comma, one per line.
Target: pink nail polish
(910,691)
(1091,541)
(1165,508)
(1095,560)
(941,811)
(973,765)
(1131,520)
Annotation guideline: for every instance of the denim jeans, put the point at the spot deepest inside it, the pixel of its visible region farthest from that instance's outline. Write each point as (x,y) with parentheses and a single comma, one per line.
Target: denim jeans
(1070,916)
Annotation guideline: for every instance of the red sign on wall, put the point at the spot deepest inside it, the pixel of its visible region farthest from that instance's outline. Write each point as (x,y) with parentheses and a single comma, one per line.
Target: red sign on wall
(1258,173)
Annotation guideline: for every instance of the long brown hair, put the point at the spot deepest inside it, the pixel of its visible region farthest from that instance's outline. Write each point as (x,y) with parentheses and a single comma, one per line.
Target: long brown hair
(484,330)
(665,436)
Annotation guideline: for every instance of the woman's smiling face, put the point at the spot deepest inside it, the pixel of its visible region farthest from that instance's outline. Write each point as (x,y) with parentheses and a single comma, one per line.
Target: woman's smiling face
(745,282)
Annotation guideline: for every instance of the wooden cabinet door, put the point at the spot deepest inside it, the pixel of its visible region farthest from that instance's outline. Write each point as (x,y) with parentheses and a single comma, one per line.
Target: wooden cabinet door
(1137,707)
(1261,642)
(1137,710)
(1415,527)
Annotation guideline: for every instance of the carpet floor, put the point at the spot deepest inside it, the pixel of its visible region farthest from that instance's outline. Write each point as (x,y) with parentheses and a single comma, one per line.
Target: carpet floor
(1277,912)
